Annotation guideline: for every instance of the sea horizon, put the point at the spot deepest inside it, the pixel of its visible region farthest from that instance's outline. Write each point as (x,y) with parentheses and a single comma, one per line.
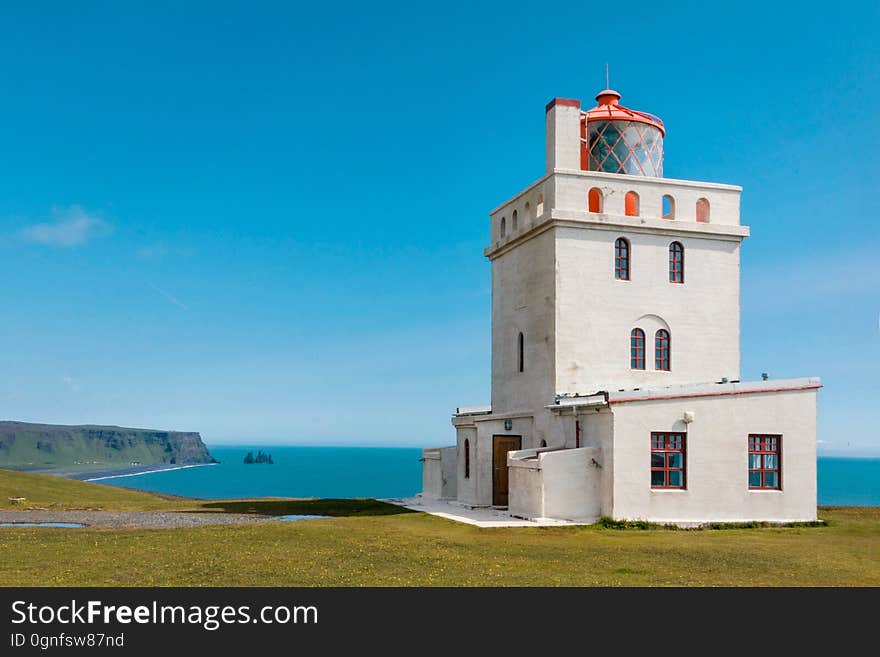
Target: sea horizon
(392,472)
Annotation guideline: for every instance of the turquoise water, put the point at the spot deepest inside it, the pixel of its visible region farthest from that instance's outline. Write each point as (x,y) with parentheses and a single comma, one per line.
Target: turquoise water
(849,482)
(397,472)
(296,472)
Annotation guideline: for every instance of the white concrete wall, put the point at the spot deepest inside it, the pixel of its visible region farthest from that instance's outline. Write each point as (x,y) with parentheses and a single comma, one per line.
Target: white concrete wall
(565,192)
(532,208)
(564,484)
(572,484)
(717,458)
(432,479)
(523,299)
(467,486)
(563,132)
(526,499)
(586,315)
(595,313)
(570,189)
(597,431)
(439,478)
(478,491)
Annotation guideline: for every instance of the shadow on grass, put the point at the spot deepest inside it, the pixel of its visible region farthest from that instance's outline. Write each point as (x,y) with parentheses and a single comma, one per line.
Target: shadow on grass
(319,507)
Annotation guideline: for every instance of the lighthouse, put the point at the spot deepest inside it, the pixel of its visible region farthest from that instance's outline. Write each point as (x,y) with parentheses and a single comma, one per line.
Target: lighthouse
(616,386)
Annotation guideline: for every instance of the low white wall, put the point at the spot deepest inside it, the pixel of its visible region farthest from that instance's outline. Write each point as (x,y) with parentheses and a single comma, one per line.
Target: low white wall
(563,484)
(525,498)
(572,483)
(439,476)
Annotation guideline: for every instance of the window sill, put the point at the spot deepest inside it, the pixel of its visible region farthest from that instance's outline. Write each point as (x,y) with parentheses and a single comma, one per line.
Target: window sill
(669,490)
(765,490)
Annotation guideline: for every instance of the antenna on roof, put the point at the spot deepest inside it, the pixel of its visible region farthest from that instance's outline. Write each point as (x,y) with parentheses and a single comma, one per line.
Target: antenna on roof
(607,79)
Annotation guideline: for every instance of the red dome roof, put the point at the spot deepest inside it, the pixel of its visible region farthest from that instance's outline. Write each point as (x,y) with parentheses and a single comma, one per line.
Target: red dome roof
(609,110)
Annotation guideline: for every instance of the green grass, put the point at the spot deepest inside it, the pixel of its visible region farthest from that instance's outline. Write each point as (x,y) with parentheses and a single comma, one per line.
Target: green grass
(50,492)
(370,543)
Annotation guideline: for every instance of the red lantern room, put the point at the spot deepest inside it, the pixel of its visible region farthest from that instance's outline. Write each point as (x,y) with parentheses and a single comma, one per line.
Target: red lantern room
(616,139)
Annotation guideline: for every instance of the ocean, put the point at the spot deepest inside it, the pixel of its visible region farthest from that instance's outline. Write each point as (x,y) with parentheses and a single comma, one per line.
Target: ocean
(396,472)
(295,472)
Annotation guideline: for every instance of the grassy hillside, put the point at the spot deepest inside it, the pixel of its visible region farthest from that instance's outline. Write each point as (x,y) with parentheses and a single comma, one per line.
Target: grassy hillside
(77,448)
(370,543)
(50,492)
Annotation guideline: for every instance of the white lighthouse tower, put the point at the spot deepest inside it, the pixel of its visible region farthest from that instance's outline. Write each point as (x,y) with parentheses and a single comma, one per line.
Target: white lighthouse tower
(615,348)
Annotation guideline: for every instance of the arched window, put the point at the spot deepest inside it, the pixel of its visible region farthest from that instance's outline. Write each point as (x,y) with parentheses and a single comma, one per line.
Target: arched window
(637,349)
(520,351)
(621,259)
(703,210)
(631,204)
(514,220)
(539,205)
(668,207)
(543,443)
(676,263)
(594,200)
(467,459)
(528,210)
(661,350)
(503,226)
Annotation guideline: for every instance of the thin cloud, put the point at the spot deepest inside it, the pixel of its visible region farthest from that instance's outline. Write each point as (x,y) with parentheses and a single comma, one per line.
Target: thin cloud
(71,383)
(169,297)
(156,252)
(72,226)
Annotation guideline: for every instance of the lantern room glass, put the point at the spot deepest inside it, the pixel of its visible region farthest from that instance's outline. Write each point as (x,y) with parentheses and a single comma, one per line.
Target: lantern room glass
(626,147)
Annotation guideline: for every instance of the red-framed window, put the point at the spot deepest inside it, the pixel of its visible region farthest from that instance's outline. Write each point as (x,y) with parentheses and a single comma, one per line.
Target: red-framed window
(662,350)
(765,461)
(668,460)
(637,349)
(621,259)
(676,263)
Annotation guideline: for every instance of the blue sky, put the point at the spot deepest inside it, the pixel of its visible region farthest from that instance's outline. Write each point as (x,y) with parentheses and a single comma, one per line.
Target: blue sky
(264,222)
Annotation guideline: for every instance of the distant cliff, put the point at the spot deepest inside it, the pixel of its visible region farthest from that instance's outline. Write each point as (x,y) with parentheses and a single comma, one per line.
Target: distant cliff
(48,446)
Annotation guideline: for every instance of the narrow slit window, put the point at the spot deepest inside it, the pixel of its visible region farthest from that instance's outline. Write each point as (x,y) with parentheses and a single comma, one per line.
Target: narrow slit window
(621,259)
(521,353)
(467,459)
(503,226)
(676,263)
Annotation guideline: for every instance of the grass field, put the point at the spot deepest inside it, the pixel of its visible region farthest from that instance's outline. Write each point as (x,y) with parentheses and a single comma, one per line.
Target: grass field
(370,543)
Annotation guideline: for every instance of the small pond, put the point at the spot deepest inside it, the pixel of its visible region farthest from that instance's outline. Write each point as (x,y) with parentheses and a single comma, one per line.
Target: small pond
(68,525)
(294,518)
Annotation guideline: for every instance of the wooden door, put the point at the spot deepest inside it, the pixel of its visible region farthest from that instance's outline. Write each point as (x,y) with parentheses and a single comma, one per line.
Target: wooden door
(500,446)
